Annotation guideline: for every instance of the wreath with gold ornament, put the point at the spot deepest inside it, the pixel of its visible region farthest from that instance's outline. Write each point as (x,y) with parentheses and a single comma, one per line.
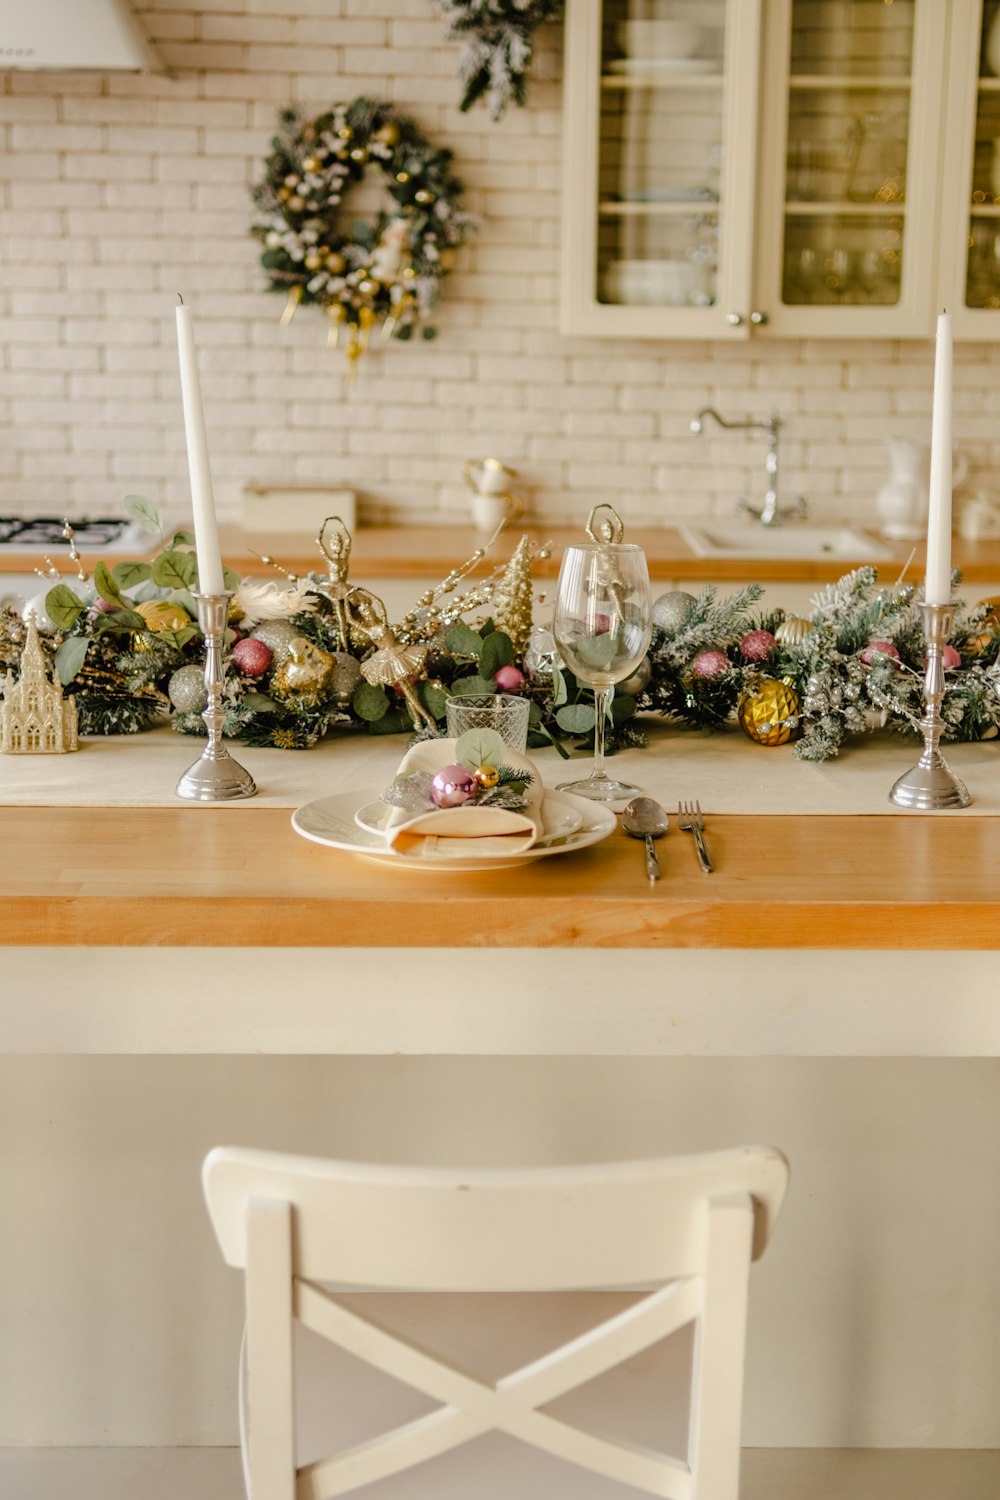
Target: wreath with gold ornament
(370,276)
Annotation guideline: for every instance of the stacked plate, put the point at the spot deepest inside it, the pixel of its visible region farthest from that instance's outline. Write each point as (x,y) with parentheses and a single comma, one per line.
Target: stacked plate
(356,822)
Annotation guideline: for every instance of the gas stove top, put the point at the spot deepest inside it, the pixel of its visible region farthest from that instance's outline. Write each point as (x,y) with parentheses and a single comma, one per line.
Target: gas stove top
(92,534)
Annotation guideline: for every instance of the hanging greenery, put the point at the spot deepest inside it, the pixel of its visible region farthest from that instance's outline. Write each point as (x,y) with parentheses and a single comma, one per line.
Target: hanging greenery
(498,38)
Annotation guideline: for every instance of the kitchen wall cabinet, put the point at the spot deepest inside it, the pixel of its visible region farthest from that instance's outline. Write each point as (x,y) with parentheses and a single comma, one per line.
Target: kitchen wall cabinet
(781,168)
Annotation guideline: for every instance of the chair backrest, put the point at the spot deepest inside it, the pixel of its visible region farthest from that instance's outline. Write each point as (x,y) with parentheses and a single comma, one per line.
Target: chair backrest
(686,1226)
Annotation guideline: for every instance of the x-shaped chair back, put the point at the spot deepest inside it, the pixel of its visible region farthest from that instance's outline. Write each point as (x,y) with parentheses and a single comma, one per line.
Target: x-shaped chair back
(683,1228)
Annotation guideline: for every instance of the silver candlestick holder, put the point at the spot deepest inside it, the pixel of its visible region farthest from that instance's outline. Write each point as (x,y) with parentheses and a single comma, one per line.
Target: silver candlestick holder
(215,775)
(931,785)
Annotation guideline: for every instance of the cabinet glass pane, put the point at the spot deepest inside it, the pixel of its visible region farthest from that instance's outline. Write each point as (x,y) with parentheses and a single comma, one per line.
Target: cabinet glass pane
(848,142)
(660,152)
(982,284)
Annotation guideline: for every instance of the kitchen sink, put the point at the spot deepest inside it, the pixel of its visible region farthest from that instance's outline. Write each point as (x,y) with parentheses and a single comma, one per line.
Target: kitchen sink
(800,542)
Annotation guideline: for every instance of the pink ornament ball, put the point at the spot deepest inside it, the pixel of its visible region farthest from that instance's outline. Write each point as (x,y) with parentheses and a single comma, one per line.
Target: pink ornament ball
(878,648)
(710,664)
(453,786)
(509,679)
(757,645)
(950,659)
(253,657)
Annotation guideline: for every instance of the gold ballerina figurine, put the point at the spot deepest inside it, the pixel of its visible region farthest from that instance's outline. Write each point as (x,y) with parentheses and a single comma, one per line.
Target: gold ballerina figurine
(392,664)
(334,541)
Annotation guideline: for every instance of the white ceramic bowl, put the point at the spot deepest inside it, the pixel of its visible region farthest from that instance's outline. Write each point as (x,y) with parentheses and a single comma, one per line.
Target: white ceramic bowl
(661,39)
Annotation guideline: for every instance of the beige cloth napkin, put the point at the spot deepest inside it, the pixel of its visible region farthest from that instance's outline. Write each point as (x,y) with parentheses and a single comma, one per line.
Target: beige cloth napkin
(459,832)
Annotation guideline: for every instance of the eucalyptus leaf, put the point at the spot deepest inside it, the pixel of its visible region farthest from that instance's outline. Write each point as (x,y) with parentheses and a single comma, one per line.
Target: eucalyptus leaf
(179,638)
(597,651)
(230,579)
(560,692)
(70,657)
(464,687)
(175,570)
(434,699)
(479,747)
(462,640)
(181,538)
(621,708)
(486,628)
(63,607)
(144,513)
(260,703)
(577,718)
(393,722)
(497,652)
(106,585)
(119,621)
(543,736)
(370,702)
(128,575)
(185,599)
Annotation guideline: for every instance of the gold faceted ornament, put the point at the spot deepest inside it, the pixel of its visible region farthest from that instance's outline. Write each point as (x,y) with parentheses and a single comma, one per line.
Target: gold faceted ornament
(769,712)
(793,631)
(305,673)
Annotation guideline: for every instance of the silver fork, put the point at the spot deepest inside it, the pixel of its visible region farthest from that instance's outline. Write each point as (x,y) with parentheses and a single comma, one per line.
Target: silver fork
(690,819)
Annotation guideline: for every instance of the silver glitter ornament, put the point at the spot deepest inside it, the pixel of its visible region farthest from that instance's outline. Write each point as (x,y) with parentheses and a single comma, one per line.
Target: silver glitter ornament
(279,635)
(669,610)
(186,690)
(344,678)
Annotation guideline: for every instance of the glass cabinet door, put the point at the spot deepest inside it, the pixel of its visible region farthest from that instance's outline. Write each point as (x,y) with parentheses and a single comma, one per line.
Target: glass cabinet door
(972,186)
(849,188)
(658,201)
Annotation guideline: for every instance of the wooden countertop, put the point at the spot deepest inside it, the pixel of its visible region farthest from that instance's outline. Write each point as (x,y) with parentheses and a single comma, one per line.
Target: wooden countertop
(239,877)
(430,551)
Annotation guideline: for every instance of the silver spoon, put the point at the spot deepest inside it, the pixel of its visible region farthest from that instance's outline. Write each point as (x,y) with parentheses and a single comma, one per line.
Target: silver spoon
(645,819)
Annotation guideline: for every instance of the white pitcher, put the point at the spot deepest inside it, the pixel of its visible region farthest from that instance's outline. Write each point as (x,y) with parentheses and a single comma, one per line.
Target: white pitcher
(901,502)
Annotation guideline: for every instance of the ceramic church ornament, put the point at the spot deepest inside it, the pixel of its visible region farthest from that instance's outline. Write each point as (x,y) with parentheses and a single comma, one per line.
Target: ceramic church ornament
(36,719)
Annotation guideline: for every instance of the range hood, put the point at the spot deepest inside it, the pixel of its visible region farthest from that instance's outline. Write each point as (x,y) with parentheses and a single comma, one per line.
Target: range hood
(101,35)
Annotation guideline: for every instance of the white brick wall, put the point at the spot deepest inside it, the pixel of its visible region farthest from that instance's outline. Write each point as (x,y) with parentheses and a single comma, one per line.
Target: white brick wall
(118,191)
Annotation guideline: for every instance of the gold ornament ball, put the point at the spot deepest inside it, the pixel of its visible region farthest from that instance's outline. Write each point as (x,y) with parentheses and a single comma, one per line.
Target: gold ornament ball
(160,614)
(402,176)
(296,204)
(335,263)
(769,713)
(345,133)
(388,134)
(284,194)
(793,631)
(423,196)
(312,164)
(359,154)
(291,180)
(408,273)
(367,288)
(313,261)
(486,776)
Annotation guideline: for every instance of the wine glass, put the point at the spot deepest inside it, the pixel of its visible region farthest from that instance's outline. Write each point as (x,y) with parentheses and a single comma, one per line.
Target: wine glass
(603,621)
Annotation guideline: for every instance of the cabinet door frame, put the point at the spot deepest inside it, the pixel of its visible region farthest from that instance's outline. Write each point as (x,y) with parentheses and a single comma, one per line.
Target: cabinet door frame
(580,310)
(913,316)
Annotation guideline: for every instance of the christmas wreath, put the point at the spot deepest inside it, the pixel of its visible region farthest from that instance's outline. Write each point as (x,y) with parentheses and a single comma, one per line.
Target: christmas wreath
(387,272)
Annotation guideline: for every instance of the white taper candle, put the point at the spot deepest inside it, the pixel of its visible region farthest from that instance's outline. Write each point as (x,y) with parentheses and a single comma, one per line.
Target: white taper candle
(938,587)
(206,531)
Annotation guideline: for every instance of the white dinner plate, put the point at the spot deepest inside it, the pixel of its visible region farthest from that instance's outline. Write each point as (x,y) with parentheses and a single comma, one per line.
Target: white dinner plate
(331,821)
(558,818)
(651,65)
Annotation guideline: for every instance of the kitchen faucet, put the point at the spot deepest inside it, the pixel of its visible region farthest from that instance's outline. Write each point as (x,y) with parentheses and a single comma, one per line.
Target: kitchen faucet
(770,513)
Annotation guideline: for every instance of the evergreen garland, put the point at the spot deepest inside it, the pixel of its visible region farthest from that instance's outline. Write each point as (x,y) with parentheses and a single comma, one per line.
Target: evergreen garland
(498,39)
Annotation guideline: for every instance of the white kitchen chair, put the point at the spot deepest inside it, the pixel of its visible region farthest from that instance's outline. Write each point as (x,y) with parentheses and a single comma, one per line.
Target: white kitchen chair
(681,1230)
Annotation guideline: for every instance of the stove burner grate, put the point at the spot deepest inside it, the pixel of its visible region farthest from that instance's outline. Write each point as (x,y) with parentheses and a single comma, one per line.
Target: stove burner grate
(50,531)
